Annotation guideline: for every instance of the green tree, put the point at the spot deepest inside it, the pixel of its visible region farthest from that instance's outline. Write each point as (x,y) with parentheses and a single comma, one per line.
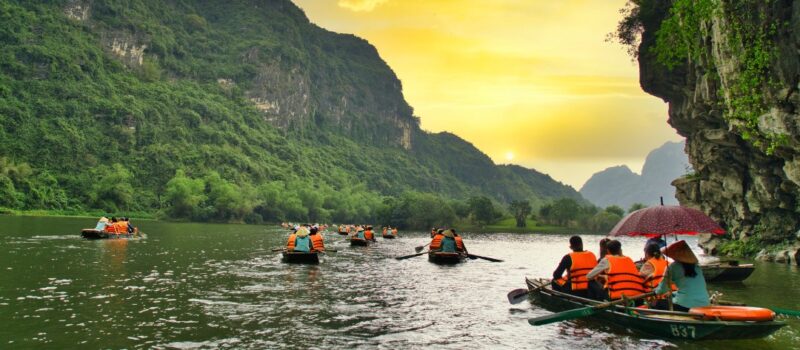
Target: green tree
(184,195)
(636,206)
(614,209)
(521,210)
(113,190)
(565,210)
(482,210)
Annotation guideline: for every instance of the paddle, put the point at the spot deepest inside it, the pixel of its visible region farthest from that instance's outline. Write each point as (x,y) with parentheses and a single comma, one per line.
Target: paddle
(582,312)
(786,312)
(410,256)
(473,257)
(516,296)
(420,248)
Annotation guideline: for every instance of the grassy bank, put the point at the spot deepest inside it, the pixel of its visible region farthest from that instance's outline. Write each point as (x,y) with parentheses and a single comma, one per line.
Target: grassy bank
(509,225)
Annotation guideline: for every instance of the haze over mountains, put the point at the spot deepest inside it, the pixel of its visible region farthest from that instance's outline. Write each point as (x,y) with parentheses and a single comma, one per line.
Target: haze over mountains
(622,187)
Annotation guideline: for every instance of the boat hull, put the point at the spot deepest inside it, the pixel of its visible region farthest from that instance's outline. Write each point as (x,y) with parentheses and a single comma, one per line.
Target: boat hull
(343,233)
(388,237)
(727,272)
(90,233)
(669,326)
(311,258)
(445,258)
(359,242)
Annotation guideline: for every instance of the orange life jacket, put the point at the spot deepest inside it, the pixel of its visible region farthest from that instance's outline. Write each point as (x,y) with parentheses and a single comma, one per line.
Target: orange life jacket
(459,244)
(348,229)
(582,263)
(316,241)
(111,227)
(436,242)
(659,269)
(394,232)
(368,235)
(385,231)
(623,277)
(122,227)
(290,244)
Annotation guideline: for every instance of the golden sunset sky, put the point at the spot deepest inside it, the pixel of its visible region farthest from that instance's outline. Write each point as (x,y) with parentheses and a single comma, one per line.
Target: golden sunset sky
(529,82)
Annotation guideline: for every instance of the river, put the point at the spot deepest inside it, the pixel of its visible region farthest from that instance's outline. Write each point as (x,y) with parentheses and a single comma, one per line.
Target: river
(208,286)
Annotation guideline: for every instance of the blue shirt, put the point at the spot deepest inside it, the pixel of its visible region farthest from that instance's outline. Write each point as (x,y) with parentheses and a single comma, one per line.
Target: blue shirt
(691,292)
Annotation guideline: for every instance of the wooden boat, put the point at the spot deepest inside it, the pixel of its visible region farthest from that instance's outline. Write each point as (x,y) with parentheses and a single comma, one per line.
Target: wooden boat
(300,257)
(388,236)
(727,271)
(445,258)
(343,233)
(90,233)
(358,242)
(662,324)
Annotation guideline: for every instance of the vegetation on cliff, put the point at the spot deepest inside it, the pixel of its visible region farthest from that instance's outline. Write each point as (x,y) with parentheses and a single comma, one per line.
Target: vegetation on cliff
(225,111)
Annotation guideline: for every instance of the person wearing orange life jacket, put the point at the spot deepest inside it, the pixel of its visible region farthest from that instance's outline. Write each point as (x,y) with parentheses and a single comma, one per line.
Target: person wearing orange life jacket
(385,231)
(576,264)
(368,235)
(317,241)
(435,231)
(394,231)
(436,241)
(653,270)
(111,227)
(622,277)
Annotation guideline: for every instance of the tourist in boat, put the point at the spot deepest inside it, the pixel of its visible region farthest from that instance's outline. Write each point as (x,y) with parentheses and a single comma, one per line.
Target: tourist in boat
(385,231)
(435,231)
(652,270)
(299,241)
(436,241)
(620,273)
(656,240)
(368,235)
(576,264)
(101,224)
(687,277)
(317,240)
(394,231)
(603,249)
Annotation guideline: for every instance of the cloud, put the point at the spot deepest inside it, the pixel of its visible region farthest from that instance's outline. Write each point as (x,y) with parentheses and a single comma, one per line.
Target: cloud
(360,5)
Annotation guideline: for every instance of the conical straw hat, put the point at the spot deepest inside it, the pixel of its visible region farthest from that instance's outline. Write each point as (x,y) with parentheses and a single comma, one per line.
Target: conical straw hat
(680,252)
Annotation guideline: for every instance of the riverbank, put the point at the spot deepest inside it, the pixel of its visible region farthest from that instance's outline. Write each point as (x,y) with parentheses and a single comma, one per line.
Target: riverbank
(76,213)
(509,225)
(787,252)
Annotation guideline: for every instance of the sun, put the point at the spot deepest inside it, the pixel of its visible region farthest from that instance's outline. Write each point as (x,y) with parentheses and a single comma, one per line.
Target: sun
(509,156)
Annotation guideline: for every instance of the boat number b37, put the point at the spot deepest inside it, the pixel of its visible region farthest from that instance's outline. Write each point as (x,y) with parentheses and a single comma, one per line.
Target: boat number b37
(682,331)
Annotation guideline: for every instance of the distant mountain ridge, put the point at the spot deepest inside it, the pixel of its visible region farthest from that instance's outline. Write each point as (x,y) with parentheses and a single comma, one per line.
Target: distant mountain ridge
(620,186)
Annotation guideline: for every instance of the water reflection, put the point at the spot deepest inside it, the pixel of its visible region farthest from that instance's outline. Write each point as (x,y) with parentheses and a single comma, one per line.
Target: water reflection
(220,286)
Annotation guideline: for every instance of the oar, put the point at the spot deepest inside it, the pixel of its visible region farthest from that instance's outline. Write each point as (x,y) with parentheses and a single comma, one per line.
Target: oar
(278,250)
(420,248)
(582,312)
(786,312)
(410,256)
(473,257)
(516,296)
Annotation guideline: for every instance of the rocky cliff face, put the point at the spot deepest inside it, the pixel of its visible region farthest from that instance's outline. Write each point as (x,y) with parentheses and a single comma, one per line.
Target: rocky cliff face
(751,188)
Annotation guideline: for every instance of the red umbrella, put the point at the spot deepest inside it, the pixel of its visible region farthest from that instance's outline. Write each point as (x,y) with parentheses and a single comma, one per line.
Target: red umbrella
(666,220)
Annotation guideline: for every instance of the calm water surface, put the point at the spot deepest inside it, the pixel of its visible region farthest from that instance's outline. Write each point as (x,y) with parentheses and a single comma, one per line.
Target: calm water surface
(198,286)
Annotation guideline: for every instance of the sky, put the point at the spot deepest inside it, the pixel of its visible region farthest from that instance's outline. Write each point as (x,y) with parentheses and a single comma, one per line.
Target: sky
(528,82)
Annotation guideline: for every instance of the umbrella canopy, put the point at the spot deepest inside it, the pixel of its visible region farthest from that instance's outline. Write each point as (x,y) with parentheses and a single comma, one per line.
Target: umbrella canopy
(665,220)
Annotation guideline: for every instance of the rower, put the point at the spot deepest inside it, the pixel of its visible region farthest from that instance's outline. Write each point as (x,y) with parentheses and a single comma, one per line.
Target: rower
(687,277)
(622,277)
(317,240)
(576,264)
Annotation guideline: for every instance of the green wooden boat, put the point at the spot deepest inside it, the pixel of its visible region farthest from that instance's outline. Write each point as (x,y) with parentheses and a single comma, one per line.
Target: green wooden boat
(301,257)
(662,324)
(446,258)
(727,271)
(90,233)
(388,236)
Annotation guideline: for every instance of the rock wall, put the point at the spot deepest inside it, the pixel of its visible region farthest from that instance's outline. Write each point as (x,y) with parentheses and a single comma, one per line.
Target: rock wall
(736,181)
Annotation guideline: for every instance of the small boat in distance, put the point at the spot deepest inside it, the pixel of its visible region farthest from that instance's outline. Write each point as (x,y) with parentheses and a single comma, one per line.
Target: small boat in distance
(727,271)
(359,242)
(90,233)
